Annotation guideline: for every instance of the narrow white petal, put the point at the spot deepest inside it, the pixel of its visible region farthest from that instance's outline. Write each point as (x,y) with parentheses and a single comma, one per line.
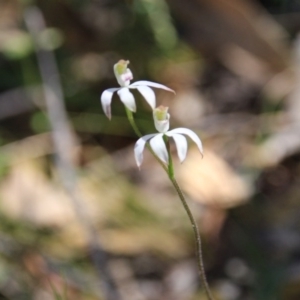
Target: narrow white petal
(106,98)
(148,94)
(181,145)
(152,84)
(139,148)
(190,133)
(159,147)
(127,98)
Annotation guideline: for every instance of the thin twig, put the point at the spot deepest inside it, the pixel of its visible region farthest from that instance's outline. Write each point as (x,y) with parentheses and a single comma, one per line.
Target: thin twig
(64,145)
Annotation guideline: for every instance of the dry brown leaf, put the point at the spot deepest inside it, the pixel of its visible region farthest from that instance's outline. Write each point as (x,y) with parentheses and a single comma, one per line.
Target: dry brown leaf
(27,194)
(212,181)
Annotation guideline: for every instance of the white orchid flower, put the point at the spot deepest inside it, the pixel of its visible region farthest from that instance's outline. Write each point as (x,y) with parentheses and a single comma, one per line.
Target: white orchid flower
(124,75)
(157,143)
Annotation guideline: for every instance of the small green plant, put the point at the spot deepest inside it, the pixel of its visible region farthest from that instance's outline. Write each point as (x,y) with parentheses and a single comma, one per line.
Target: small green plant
(157,143)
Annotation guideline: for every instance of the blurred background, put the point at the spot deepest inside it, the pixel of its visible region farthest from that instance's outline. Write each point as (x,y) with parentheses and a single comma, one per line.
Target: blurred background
(72,200)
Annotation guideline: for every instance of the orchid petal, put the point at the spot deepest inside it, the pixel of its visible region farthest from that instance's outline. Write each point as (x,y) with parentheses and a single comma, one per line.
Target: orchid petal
(190,133)
(139,148)
(127,98)
(181,145)
(159,147)
(106,98)
(152,84)
(148,94)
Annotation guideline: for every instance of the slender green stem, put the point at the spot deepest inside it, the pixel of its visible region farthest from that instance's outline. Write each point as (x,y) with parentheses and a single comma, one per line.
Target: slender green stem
(170,171)
(132,122)
(197,237)
(192,220)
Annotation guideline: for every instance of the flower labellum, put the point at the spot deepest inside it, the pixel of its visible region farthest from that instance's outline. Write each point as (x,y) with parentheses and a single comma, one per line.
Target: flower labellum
(124,76)
(161,118)
(160,113)
(122,73)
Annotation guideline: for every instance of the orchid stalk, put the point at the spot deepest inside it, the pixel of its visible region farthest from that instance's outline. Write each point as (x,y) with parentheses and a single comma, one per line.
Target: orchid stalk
(157,143)
(160,147)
